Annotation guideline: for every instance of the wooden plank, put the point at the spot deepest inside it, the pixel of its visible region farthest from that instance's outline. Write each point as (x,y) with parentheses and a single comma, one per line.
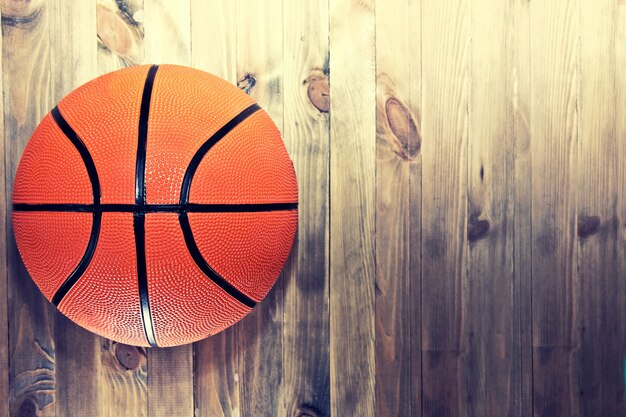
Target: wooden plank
(214,46)
(124,380)
(120,34)
(554,125)
(398,204)
(26,75)
(600,269)
(170,371)
(352,217)
(445,80)
(167,32)
(260,73)
(306,367)
(493,357)
(415,202)
(4,285)
(73,61)
(216,366)
(123,377)
(519,85)
(620,122)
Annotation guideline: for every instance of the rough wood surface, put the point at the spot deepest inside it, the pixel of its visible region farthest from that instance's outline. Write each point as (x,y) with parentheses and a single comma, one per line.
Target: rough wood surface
(306,367)
(259,336)
(73,61)
(124,380)
(618,323)
(519,87)
(4,295)
(601,279)
(445,80)
(398,204)
(493,346)
(170,371)
(216,360)
(554,131)
(26,69)
(123,375)
(352,217)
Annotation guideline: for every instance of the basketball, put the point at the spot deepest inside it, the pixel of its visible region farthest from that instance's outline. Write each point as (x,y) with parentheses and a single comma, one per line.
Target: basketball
(155,205)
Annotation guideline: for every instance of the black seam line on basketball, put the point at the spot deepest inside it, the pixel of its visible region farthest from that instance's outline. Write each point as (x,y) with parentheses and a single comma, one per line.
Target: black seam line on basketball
(140,200)
(90,166)
(144,115)
(139,226)
(192,247)
(206,146)
(82,150)
(157,208)
(83,264)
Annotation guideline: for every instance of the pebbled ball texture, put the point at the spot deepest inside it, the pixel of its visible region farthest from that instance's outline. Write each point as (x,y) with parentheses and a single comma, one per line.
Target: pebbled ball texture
(247,247)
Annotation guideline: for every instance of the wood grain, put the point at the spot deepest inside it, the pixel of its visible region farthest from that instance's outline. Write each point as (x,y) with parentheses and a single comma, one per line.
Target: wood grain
(123,375)
(493,352)
(554,125)
(352,217)
(462,242)
(4,290)
(601,305)
(445,80)
(520,91)
(167,32)
(73,61)
(216,361)
(26,69)
(124,380)
(618,321)
(120,34)
(306,366)
(170,371)
(259,336)
(398,214)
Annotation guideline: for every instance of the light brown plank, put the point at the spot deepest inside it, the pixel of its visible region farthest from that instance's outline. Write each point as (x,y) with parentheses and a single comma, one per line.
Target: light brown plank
(493,356)
(415,202)
(216,366)
(259,336)
(4,285)
(445,80)
(170,371)
(73,61)
(519,87)
(214,46)
(26,75)
(306,368)
(398,208)
(123,378)
(120,34)
(167,32)
(620,163)
(352,205)
(554,124)
(602,289)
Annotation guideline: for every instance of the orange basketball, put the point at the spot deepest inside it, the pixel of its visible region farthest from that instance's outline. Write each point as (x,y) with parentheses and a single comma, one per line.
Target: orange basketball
(155,205)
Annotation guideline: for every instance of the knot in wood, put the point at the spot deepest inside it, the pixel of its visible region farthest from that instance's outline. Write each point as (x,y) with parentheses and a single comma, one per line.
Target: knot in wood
(246,83)
(405,141)
(477,230)
(319,92)
(588,225)
(128,356)
(27,409)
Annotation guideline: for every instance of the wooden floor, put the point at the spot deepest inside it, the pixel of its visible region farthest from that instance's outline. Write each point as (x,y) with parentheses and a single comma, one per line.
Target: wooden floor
(462,240)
